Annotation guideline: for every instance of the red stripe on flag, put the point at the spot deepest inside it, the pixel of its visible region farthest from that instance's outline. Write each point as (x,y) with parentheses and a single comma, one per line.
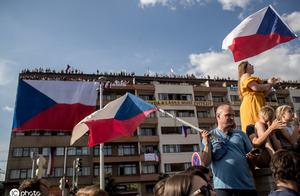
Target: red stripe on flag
(248,46)
(108,129)
(61,117)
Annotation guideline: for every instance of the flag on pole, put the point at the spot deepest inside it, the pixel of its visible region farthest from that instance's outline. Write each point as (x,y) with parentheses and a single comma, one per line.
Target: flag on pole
(53,105)
(118,118)
(257,33)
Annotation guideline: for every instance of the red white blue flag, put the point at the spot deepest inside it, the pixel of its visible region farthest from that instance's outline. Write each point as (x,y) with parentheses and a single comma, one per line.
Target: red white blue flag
(118,118)
(257,33)
(53,105)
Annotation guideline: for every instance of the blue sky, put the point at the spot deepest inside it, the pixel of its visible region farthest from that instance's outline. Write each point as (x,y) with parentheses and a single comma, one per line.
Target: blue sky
(131,35)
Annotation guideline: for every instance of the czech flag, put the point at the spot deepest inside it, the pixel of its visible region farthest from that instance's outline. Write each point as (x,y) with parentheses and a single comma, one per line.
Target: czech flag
(257,33)
(53,105)
(118,118)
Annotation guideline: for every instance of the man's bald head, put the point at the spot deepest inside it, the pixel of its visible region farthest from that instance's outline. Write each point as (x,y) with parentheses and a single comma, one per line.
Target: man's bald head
(225,117)
(223,107)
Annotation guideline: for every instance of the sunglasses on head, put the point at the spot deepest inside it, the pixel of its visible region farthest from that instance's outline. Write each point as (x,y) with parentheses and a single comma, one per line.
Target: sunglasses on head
(204,190)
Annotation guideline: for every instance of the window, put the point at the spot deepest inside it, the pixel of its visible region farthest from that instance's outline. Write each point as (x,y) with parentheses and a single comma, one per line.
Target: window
(85,171)
(126,150)
(296,99)
(23,173)
(148,148)
(174,167)
(20,133)
(149,169)
(26,152)
(96,150)
(234,98)
(18,152)
(149,188)
(145,131)
(70,171)
(96,170)
(200,98)
(85,150)
(186,113)
(203,114)
(71,151)
(165,96)
(176,148)
(34,150)
(35,133)
(171,148)
(14,174)
(147,97)
(60,151)
(178,113)
(107,150)
(108,169)
(45,151)
(218,99)
(58,172)
(128,169)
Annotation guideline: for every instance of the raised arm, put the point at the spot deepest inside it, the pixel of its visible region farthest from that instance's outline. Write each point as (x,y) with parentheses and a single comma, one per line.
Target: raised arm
(206,153)
(263,133)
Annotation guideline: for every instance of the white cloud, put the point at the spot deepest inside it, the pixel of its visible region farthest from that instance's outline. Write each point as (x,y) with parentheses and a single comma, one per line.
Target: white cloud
(231,4)
(8,109)
(293,20)
(6,71)
(172,4)
(281,61)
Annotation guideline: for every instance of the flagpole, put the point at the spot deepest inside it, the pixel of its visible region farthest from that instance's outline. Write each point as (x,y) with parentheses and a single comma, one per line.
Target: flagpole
(101,156)
(180,120)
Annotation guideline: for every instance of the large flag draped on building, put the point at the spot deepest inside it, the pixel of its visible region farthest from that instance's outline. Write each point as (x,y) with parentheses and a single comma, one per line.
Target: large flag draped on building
(53,105)
(257,33)
(118,118)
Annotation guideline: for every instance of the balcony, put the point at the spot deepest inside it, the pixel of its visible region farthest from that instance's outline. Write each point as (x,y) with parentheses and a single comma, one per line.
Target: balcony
(117,159)
(125,139)
(150,138)
(149,121)
(206,120)
(201,89)
(144,87)
(218,89)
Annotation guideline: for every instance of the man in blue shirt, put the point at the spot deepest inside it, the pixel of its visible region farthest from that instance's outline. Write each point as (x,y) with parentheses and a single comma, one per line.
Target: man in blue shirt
(226,148)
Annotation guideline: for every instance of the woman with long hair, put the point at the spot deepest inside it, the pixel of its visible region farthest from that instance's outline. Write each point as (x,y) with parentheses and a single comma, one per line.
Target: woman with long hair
(252,92)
